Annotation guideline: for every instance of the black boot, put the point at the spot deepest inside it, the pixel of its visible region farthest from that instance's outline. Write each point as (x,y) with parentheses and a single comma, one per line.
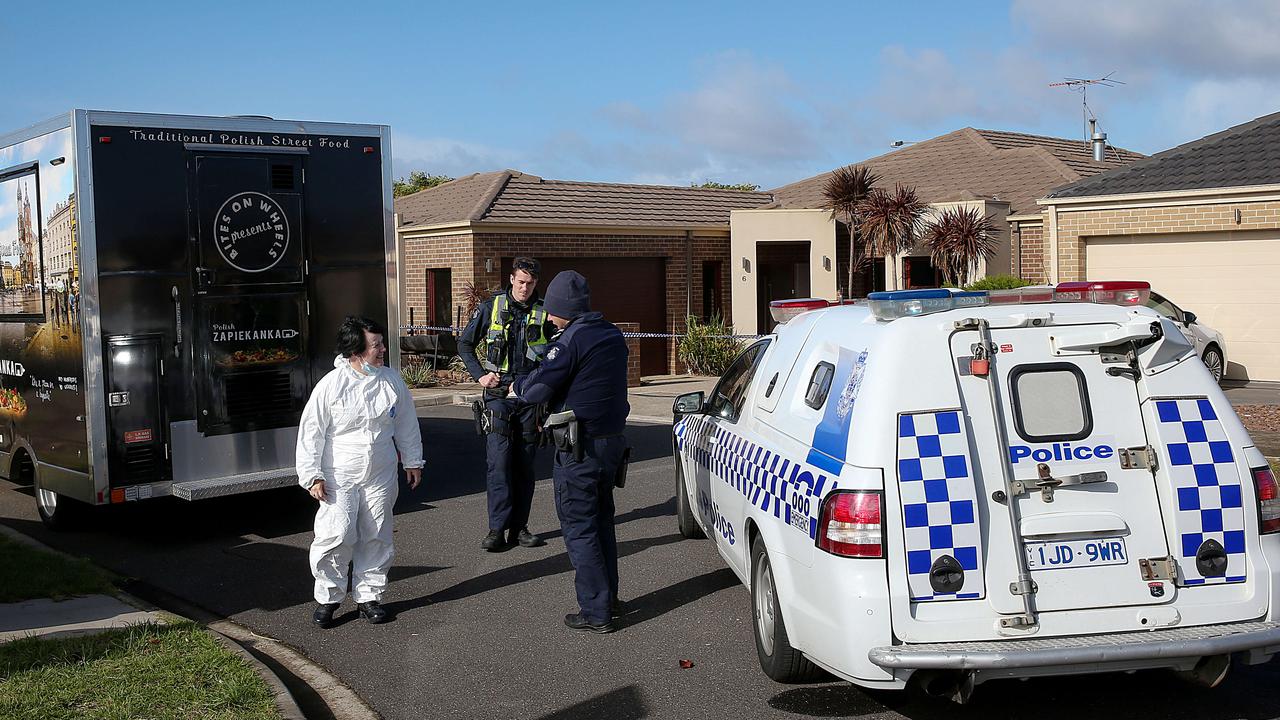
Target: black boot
(323,616)
(493,542)
(527,539)
(373,612)
(577,622)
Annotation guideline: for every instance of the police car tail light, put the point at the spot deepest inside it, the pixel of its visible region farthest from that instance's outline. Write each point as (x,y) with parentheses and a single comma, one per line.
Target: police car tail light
(850,525)
(1020,296)
(1110,292)
(1264,481)
(784,310)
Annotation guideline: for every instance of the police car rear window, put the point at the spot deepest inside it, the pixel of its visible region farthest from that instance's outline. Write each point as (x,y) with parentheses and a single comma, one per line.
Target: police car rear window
(1050,402)
(819,385)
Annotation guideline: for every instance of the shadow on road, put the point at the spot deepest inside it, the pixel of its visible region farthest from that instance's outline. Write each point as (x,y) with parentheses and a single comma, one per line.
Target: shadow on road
(660,602)
(625,703)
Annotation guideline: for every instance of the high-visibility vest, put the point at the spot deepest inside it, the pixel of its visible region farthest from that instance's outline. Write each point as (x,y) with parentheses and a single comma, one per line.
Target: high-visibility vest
(501,321)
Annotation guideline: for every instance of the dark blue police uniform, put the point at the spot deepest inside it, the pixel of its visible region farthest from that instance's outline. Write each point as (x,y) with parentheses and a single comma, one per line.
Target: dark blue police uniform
(585,370)
(511,445)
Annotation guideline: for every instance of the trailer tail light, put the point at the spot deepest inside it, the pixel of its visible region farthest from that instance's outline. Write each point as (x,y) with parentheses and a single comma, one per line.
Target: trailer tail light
(1264,482)
(105,139)
(850,525)
(784,310)
(1109,292)
(368,149)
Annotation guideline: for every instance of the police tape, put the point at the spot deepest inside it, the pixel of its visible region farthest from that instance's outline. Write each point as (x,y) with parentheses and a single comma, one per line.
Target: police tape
(638,335)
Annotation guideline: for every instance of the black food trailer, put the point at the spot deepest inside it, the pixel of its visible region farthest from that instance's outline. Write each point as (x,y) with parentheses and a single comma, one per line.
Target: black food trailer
(170,287)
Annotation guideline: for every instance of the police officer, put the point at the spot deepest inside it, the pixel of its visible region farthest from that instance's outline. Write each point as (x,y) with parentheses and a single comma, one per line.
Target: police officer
(585,371)
(514,330)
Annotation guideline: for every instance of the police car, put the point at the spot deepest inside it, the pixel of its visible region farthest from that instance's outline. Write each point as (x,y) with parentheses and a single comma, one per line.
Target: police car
(967,486)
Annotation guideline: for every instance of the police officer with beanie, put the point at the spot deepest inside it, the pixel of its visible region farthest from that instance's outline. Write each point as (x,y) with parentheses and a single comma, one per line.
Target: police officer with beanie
(515,331)
(585,371)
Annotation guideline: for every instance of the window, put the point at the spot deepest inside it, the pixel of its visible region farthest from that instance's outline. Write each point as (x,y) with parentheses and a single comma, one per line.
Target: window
(731,392)
(1050,402)
(22,285)
(819,385)
(1162,305)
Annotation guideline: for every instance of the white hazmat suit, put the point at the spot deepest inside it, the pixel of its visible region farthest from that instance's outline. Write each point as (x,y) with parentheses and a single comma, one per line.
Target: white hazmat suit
(350,430)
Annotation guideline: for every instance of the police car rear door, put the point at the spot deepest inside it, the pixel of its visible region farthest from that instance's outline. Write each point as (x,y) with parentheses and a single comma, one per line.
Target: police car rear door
(1087,510)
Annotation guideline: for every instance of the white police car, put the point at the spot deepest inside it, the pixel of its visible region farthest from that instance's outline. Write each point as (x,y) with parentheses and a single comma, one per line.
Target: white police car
(967,486)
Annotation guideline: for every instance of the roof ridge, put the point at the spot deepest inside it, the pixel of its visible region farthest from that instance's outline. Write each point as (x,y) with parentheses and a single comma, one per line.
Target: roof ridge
(1054,161)
(647,186)
(491,193)
(1085,143)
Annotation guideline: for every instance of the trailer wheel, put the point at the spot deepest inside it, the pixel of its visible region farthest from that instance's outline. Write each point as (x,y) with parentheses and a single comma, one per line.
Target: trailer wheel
(778,659)
(58,512)
(685,519)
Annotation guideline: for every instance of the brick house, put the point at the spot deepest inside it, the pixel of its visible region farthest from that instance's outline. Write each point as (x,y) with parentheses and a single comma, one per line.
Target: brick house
(652,254)
(793,248)
(1200,222)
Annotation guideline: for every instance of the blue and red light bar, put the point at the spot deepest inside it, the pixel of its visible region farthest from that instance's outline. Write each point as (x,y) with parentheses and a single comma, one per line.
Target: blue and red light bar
(909,303)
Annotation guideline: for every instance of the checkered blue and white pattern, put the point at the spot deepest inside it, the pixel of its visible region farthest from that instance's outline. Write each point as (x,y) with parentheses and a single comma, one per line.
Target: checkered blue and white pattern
(1207,483)
(939,502)
(764,477)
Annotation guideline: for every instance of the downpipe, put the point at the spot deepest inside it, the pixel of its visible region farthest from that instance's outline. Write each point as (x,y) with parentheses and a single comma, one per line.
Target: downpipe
(954,685)
(1209,672)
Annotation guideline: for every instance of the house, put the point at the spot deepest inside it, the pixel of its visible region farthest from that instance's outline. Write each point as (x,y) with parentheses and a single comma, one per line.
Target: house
(794,248)
(1200,222)
(652,254)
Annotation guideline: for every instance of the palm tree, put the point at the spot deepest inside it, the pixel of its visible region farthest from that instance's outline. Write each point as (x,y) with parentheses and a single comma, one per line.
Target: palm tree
(890,220)
(958,241)
(847,187)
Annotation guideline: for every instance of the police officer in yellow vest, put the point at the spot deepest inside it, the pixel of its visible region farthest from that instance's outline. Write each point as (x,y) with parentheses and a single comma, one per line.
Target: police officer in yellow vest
(504,340)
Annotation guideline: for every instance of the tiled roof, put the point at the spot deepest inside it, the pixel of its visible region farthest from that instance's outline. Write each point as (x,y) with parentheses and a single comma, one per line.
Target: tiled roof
(973,164)
(1241,156)
(510,197)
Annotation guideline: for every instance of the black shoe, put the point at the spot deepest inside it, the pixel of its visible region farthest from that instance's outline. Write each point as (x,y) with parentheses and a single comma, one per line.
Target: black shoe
(493,542)
(528,539)
(373,612)
(577,622)
(323,616)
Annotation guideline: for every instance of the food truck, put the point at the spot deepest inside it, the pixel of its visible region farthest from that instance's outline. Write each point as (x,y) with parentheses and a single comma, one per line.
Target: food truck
(170,289)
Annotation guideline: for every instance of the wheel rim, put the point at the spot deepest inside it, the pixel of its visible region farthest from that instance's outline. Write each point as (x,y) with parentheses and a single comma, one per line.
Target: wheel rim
(764,604)
(1213,361)
(47,500)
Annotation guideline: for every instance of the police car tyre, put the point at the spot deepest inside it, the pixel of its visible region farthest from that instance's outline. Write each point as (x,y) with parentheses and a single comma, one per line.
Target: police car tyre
(1213,360)
(778,659)
(58,512)
(685,519)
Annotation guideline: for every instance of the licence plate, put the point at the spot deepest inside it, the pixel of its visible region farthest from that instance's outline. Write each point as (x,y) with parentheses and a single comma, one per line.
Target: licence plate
(1076,553)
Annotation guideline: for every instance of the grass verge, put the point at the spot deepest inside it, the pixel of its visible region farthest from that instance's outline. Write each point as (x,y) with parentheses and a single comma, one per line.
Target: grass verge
(26,573)
(145,671)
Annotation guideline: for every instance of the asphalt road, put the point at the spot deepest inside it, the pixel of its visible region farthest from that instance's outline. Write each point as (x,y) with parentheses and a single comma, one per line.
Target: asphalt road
(479,635)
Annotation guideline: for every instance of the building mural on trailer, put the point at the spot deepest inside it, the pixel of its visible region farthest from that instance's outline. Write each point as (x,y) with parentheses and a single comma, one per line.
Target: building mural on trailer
(41,349)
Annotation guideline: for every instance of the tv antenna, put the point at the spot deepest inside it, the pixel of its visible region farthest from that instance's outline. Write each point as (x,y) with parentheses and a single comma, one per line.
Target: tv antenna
(1081,85)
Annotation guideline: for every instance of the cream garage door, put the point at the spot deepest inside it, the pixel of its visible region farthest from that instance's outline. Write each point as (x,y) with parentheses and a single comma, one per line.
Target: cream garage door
(1226,279)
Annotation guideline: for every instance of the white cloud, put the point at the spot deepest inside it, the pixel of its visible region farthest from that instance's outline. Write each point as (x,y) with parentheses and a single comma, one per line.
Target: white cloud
(446,156)
(1209,38)
(1209,106)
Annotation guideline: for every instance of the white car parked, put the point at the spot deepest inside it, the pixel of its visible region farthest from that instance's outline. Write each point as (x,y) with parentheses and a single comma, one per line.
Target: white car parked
(1208,342)
(956,487)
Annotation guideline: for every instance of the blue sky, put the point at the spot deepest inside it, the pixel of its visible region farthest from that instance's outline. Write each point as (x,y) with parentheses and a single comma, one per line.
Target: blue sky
(658,92)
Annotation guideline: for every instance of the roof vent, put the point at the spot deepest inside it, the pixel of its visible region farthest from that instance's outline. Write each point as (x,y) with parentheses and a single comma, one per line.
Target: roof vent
(1099,142)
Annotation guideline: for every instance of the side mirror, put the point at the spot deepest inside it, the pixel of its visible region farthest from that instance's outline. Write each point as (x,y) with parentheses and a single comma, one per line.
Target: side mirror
(1188,317)
(688,403)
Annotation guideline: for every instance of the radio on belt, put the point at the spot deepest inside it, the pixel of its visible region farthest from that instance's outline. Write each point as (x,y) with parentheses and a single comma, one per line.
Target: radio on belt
(975,485)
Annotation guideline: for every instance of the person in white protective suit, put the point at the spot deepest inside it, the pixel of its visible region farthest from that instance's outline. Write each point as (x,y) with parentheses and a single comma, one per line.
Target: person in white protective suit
(356,419)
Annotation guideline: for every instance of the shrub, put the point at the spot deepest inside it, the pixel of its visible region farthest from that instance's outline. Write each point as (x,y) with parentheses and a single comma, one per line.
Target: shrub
(418,373)
(702,351)
(998,282)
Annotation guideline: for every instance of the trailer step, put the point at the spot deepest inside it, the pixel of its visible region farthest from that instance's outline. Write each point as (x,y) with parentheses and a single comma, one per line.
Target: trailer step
(234,484)
(1154,646)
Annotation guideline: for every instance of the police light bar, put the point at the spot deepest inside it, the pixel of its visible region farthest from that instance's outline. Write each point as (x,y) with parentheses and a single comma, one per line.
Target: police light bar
(1110,292)
(784,310)
(910,303)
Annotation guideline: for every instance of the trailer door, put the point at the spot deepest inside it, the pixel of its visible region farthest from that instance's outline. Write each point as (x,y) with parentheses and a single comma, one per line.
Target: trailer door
(249,273)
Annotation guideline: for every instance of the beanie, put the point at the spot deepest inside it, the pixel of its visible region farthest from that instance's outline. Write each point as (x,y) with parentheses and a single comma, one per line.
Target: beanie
(568,295)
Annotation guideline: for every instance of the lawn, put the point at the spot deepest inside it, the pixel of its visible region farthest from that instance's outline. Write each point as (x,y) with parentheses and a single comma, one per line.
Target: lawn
(27,573)
(145,671)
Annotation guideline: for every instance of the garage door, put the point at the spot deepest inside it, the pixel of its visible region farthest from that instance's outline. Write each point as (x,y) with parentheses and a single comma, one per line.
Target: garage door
(1226,279)
(625,290)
